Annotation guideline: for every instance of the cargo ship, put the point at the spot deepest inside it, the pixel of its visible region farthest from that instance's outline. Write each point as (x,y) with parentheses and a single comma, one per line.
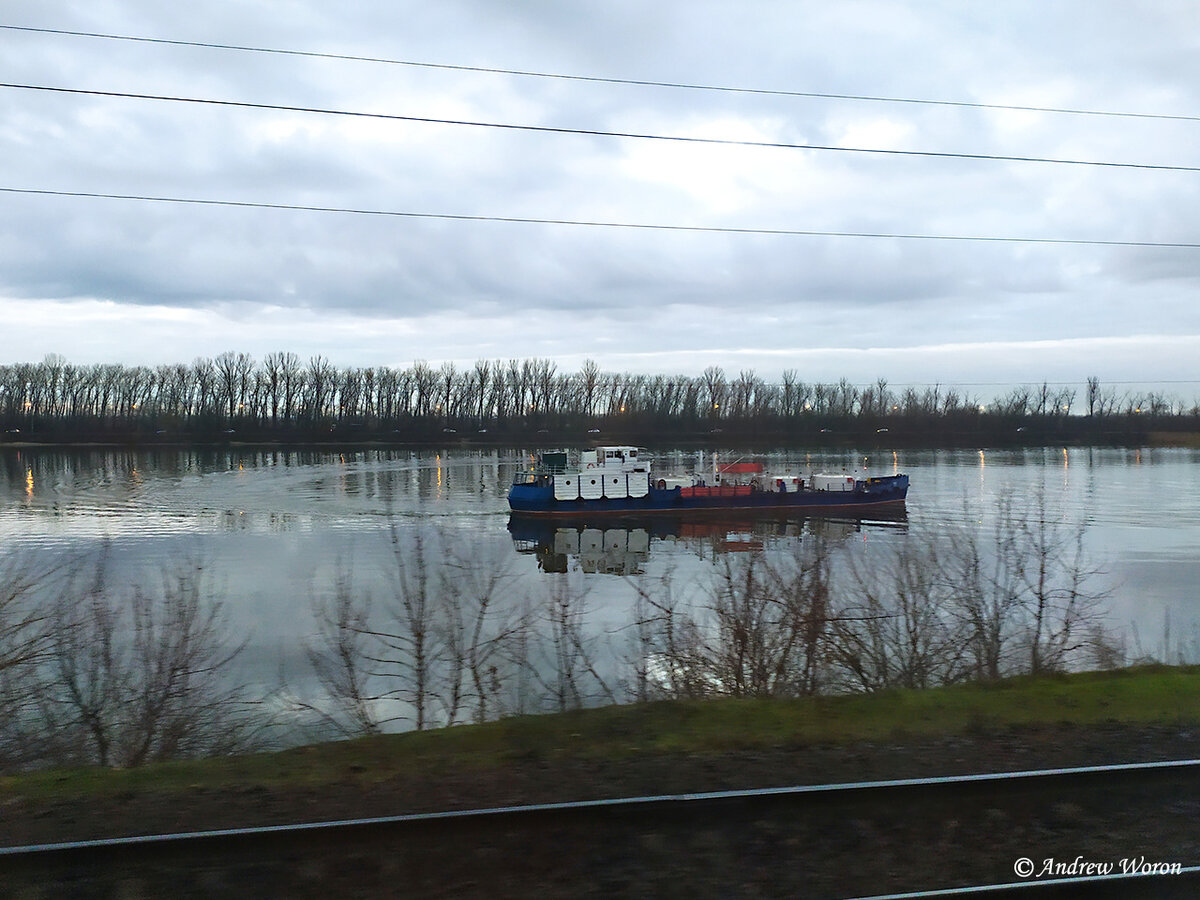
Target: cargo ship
(618,480)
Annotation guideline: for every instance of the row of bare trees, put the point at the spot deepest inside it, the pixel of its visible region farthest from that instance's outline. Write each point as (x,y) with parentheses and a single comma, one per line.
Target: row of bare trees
(282,395)
(917,613)
(450,637)
(450,644)
(974,606)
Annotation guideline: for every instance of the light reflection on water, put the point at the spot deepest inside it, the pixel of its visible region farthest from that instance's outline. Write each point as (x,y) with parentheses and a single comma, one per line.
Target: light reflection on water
(273,524)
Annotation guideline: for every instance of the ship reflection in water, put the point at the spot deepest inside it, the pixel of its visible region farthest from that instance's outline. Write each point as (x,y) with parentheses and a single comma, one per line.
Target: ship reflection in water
(622,546)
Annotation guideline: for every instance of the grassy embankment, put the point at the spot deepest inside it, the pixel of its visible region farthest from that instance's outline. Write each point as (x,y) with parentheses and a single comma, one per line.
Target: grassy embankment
(1154,694)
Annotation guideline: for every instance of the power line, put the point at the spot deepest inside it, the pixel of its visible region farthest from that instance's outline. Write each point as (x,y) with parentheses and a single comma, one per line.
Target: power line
(646,226)
(818,95)
(587,132)
(1037,382)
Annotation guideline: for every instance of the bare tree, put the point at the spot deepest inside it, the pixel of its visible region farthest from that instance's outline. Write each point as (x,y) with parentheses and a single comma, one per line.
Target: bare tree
(273,368)
(1061,606)
(479,625)
(770,620)
(894,626)
(715,388)
(406,649)
(24,622)
(26,640)
(569,673)
(338,657)
(481,378)
(142,677)
(319,380)
(442,645)
(757,628)
(1025,596)
(668,658)
(984,579)
(233,371)
(589,384)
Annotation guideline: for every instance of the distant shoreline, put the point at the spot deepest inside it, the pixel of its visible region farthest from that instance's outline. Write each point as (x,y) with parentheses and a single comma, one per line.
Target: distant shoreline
(1157,439)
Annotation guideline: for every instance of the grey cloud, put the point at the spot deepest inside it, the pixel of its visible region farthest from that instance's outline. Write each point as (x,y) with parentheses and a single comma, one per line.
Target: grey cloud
(787,291)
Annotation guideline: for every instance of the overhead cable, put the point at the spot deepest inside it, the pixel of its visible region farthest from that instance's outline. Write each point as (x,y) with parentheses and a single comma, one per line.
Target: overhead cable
(637,82)
(549,129)
(648,226)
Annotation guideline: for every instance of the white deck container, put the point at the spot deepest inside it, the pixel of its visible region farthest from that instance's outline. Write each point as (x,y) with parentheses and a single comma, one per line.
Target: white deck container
(833,482)
(591,486)
(639,484)
(566,487)
(614,486)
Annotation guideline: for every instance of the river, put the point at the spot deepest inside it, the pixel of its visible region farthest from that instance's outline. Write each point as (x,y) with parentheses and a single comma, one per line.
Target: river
(277,530)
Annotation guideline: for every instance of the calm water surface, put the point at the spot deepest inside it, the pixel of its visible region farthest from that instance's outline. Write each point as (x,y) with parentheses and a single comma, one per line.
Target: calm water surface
(275,529)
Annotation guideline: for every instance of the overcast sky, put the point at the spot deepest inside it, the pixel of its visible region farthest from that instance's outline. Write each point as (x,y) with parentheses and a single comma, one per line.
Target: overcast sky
(137,281)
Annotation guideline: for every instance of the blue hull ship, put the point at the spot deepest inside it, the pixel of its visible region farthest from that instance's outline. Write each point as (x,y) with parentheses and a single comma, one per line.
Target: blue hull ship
(617,481)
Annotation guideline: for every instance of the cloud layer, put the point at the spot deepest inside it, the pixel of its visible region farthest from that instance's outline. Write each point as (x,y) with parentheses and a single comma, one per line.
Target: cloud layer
(141,281)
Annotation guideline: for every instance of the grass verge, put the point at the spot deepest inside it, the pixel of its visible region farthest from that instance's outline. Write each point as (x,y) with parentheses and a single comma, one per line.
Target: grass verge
(1153,694)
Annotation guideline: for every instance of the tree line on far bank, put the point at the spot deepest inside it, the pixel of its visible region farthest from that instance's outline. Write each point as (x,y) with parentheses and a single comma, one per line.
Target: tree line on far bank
(284,398)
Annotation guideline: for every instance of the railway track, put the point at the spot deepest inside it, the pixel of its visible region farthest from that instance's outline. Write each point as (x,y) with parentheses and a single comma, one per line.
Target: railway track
(559,848)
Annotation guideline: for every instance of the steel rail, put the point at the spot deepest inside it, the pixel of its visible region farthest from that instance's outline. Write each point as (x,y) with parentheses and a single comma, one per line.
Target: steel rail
(1120,883)
(1034,778)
